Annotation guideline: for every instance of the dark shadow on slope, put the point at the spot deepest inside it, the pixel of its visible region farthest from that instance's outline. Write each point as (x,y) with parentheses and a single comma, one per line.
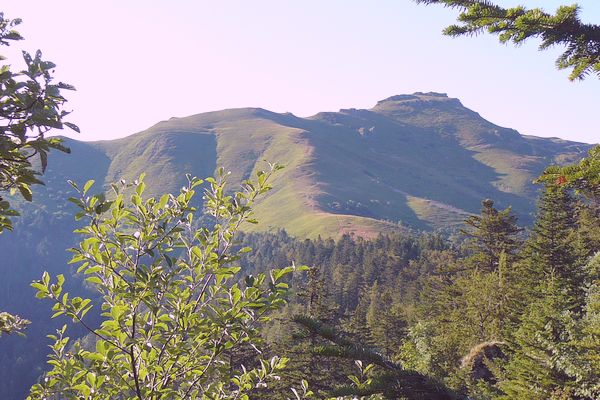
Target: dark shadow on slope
(363,157)
(39,243)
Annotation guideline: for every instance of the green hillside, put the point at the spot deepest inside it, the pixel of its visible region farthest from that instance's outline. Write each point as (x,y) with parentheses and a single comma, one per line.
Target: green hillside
(421,161)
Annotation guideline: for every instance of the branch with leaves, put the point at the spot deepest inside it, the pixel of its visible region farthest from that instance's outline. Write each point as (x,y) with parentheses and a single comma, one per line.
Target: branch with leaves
(174,306)
(31,105)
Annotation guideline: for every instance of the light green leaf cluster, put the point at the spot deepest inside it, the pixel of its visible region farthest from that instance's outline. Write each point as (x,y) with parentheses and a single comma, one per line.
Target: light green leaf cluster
(175,309)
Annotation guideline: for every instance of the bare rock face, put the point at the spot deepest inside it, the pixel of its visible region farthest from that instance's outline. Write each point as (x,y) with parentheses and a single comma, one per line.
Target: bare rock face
(477,362)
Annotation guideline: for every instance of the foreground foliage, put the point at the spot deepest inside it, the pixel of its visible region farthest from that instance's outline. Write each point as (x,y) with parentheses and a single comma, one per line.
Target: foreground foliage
(175,311)
(30,106)
(388,378)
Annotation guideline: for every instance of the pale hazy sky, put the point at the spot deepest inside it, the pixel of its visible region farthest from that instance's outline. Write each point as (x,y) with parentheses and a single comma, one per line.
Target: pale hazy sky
(136,62)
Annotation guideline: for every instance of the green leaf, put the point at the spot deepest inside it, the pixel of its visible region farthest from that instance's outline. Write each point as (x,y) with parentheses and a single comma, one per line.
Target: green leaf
(88,185)
(26,192)
(92,270)
(103,207)
(72,126)
(94,280)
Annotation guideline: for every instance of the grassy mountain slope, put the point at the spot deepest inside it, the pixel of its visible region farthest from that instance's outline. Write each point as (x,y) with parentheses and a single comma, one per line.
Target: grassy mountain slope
(421,160)
(239,141)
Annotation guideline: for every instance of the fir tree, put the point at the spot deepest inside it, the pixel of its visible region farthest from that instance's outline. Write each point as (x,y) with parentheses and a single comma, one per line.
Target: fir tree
(532,371)
(586,368)
(297,344)
(584,179)
(579,357)
(493,233)
(552,251)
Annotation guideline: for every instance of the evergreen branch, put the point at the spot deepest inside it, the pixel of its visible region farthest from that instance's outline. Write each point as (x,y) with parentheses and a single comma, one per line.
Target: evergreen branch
(394,382)
(517,24)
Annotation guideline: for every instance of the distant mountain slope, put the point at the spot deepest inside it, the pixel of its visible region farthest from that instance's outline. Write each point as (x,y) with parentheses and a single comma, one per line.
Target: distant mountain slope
(421,160)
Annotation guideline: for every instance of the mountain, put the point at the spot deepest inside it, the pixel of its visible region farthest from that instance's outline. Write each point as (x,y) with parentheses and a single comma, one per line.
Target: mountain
(422,160)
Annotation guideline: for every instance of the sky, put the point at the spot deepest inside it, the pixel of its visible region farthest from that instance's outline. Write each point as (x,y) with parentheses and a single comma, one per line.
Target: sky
(137,62)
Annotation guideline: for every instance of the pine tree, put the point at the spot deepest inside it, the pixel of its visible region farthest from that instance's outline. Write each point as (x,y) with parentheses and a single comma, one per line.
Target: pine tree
(493,233)
(556,350)
(579,357)
(586,366)
(355,322)
(583,178)
(468,302)
(552,250)
(385,320)
(532,371)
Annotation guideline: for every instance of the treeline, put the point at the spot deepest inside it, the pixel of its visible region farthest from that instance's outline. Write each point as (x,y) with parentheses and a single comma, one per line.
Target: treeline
(365,290)
(500,314)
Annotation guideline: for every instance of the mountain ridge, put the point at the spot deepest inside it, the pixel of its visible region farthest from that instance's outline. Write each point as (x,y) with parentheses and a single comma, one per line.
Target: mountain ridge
(420,160)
